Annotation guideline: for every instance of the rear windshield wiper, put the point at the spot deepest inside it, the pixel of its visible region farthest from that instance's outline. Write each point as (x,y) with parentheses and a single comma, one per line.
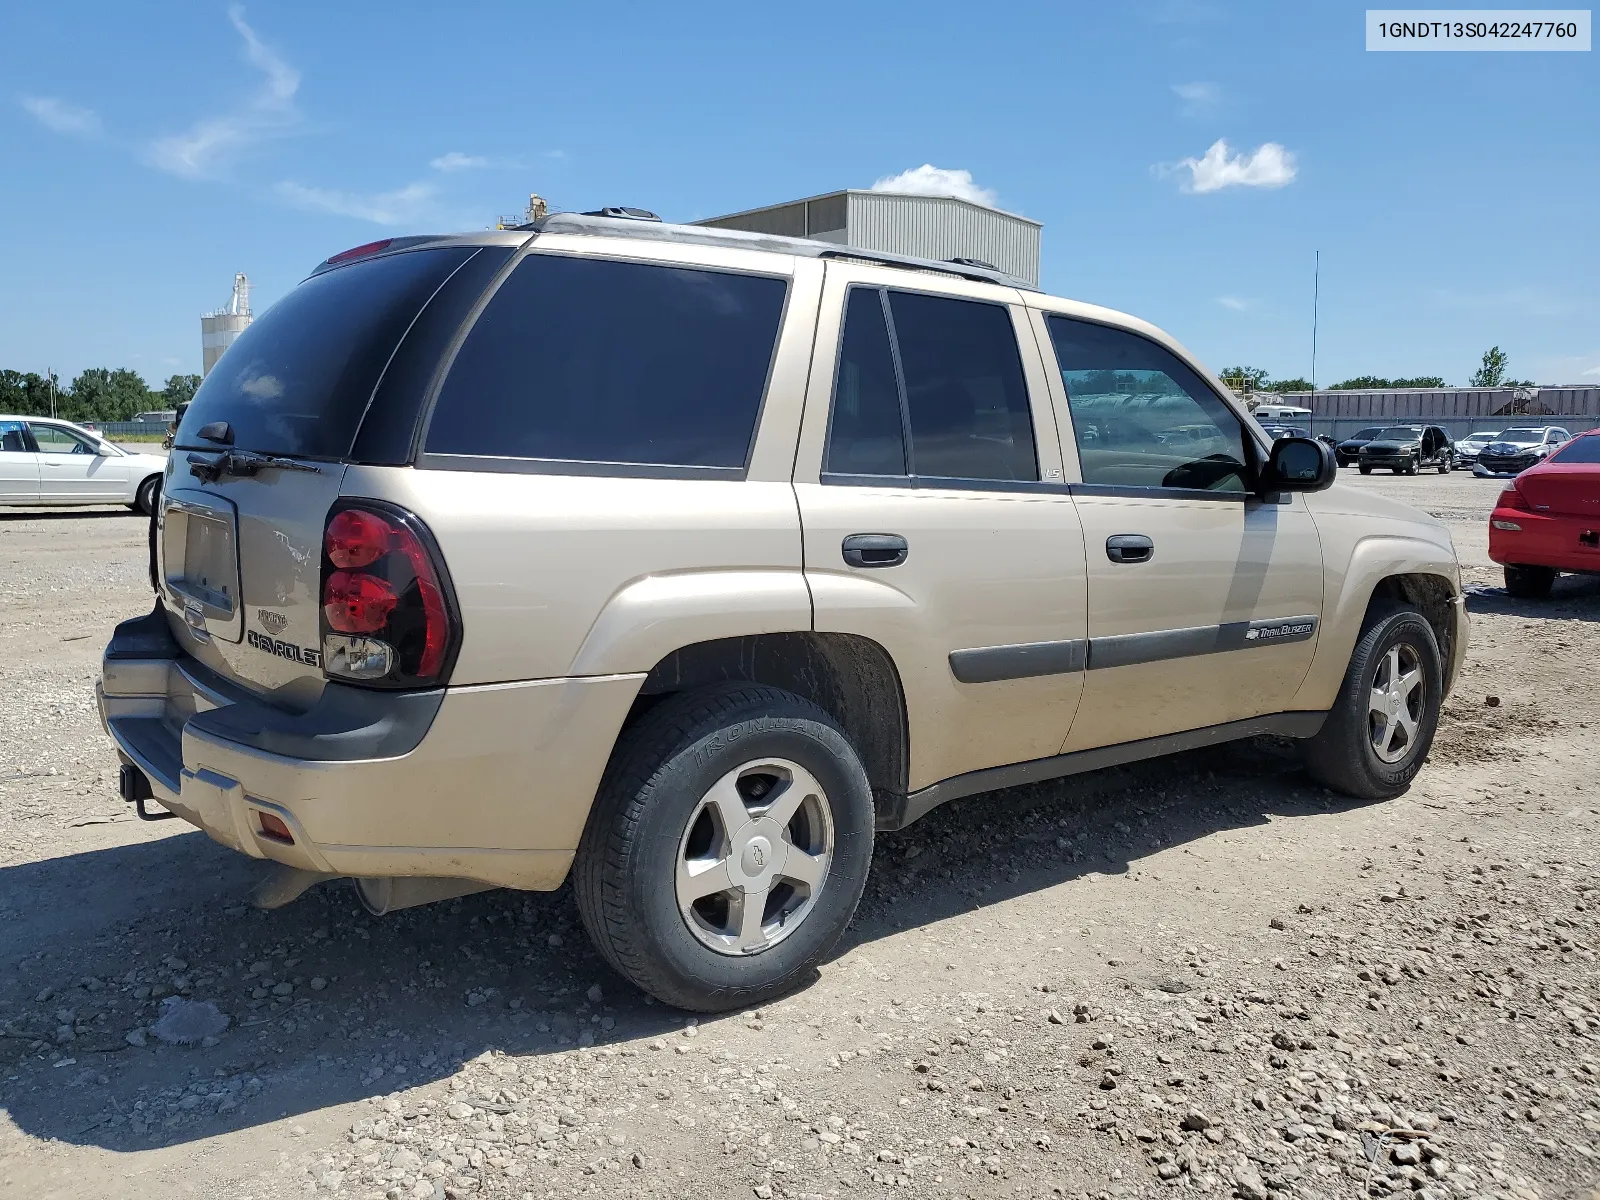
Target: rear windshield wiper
(211,467)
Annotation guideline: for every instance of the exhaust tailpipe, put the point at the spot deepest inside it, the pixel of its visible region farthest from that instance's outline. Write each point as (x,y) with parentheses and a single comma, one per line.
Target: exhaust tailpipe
(390,893)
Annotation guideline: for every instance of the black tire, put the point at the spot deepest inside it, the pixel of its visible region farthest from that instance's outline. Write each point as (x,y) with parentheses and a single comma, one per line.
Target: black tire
(662,768)
(1530,583)
(1365,470)
(148,495)
(1342,755)
(1444,467)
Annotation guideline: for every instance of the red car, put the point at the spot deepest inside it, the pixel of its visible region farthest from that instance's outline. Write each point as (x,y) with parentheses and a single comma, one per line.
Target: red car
(1548,520)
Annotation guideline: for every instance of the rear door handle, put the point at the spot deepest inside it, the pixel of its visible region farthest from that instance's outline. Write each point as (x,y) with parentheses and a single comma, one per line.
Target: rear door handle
(875,550)
(1129,548)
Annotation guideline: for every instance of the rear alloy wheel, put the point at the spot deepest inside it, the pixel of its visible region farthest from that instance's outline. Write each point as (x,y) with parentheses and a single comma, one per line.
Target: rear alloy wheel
(1378,732)
(1444,466)
(1530,583)
(148,496)
(754,857)
(727,848)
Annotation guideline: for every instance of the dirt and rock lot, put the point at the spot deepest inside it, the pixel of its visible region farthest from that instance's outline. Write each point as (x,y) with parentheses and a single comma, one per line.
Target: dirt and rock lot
(1201,973)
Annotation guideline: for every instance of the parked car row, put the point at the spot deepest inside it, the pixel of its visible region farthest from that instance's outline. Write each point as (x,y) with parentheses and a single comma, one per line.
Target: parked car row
(1407,449)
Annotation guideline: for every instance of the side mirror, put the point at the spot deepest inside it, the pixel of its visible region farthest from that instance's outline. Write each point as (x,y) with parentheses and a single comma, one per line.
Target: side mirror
(1299,465)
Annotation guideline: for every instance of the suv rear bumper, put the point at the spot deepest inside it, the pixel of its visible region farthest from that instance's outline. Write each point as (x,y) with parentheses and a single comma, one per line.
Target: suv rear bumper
(491,783)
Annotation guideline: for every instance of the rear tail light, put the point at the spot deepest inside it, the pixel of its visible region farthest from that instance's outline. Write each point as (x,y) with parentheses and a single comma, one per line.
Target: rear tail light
(388,618)
(1512,498)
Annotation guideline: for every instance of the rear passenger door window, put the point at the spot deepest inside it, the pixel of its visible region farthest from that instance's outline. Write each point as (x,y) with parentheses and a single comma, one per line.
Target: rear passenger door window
(930,388)
(581,360)
(1141,417)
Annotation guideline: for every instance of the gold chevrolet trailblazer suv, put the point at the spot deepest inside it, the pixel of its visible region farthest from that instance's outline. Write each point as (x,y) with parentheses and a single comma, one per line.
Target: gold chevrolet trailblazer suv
(686,560)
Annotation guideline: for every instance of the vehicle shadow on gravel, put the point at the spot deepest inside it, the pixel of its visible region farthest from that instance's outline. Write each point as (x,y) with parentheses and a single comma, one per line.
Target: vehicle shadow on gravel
(1572,597)
(328,1005)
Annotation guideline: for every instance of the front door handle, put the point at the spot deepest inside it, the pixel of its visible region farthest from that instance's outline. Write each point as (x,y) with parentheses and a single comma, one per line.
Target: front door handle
(1129,548)
(875,550)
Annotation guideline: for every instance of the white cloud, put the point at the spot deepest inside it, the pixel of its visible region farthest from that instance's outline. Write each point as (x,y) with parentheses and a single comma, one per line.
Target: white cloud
(209,142)
(399,207)
(1234,302)
(929,180)
(457,161)
(1270,166)
(1592,371)
(1198,98)
(60,116)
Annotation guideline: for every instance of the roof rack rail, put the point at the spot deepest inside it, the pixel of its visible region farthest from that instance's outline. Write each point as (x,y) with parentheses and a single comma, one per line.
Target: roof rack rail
(652,228)
(967,268)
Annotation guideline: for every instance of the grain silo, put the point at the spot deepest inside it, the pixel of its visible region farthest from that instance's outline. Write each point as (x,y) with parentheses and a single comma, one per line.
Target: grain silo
(938,227)
(219,329)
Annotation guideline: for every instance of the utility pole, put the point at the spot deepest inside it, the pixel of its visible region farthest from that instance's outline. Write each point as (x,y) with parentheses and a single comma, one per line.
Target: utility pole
(1316,289)
(51,376)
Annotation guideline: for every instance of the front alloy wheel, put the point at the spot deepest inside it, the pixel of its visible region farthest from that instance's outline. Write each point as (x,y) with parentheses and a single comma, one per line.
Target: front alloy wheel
(1377,734)
(1394,709)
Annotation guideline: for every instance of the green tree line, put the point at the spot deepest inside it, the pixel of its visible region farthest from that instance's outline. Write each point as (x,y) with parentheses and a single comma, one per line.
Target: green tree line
(97,394)
(1491,373)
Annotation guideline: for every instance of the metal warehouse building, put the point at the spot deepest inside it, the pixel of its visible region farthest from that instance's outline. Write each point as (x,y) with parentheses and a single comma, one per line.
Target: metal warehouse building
(1459,410)
(939,227)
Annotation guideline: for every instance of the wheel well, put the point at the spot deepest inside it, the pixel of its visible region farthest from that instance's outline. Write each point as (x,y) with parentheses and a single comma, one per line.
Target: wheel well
(852,678)
(1428,594)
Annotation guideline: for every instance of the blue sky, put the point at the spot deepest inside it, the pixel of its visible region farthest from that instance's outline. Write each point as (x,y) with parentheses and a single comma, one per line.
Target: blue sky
(155,149)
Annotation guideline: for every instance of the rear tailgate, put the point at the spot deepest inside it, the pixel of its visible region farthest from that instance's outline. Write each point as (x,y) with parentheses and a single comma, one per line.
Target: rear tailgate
(239,540)
(240,564)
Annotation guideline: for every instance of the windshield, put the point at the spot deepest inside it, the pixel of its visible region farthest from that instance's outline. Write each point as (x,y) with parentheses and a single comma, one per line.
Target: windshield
(1399,433)
(1579,450)
(1369,434)
(298,380)
(1521,435)
(1487,436)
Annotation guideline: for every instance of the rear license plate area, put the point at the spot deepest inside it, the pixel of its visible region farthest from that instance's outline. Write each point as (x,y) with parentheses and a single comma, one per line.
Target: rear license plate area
(200,562)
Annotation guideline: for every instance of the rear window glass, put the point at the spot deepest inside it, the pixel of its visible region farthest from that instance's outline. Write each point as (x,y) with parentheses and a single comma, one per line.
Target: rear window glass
(1579,450)
(965,395)
(596,361)
(298,380)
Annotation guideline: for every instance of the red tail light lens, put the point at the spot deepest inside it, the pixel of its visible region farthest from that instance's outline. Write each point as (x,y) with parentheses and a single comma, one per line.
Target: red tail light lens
(1511,498)
(357,603)
(357,539)
(387,610)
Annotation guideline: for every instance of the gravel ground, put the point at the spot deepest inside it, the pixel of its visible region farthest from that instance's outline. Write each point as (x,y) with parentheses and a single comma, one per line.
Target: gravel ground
(1202,973)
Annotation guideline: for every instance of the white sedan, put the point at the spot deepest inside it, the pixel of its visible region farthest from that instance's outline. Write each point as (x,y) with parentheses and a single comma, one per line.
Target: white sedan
(44,461)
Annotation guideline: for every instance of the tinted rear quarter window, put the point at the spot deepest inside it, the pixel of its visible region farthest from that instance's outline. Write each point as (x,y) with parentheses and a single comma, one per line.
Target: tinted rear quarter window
(588,360)
(298,380)
(866,436)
